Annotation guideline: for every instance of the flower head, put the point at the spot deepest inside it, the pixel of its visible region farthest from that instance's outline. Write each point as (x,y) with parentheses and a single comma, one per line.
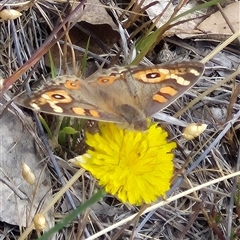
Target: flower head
(135,166)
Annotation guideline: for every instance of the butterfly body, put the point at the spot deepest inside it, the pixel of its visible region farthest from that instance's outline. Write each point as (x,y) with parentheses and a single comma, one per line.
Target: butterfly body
(119,94)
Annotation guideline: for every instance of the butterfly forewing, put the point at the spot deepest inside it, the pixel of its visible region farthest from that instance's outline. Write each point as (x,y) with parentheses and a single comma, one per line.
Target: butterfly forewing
(161,85)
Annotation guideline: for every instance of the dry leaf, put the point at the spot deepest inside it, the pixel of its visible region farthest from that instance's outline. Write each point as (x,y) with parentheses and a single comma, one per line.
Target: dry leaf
(97,21)
(185,28)
(216,24)
(18,146)
(96,14)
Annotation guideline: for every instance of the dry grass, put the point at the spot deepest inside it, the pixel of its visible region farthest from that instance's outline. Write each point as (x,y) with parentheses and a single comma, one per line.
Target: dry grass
(203,202)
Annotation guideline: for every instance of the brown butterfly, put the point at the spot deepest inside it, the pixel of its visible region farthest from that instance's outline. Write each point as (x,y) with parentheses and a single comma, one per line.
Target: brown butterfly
(118,94)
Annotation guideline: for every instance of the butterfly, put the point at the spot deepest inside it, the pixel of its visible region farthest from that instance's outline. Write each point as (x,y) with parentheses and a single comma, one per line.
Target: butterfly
(119,94)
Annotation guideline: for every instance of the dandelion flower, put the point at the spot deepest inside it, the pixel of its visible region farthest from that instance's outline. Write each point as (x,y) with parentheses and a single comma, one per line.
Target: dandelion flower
(134,166)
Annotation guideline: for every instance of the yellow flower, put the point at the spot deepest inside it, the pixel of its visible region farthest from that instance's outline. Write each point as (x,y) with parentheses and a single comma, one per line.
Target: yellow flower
(135,166)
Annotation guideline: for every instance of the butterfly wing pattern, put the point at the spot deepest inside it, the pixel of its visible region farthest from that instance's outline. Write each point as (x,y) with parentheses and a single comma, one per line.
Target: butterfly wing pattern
(118,94)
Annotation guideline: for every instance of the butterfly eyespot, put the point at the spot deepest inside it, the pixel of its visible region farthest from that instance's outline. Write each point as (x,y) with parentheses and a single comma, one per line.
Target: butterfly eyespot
(57,96)
(106,80)
(153,75)
(73,85)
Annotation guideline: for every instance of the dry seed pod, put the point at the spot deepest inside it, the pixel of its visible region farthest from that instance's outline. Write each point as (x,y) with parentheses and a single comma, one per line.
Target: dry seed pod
(39,222)
(194,130)
(77,161)
(1,83)
(9,14)
(27,174)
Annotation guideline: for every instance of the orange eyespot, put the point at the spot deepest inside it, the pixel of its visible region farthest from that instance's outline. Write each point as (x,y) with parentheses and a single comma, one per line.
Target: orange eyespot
(73,85)
(151,75)
(57,96)
(106,80)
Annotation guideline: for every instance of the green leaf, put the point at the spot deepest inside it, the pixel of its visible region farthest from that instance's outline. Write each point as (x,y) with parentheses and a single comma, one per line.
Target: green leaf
(52,65)
(68,130)
(45,126)
(84,61)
